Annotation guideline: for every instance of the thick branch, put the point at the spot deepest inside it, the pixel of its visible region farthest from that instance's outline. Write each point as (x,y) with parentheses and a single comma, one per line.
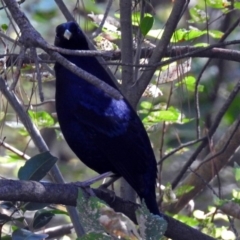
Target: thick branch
(173,52)
(30,191)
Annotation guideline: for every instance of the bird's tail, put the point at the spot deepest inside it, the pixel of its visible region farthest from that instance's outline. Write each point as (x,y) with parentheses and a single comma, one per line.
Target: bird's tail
(152,205)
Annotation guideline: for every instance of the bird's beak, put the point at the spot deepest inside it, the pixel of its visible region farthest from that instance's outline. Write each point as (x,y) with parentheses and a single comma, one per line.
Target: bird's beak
(67,34)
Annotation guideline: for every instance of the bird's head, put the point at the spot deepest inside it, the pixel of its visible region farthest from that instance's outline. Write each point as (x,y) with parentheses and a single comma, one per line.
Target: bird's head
(70,36)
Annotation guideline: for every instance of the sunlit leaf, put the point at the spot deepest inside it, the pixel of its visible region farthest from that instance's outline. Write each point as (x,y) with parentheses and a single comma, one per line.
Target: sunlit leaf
(146,105)
(198,15)
(190,83)
(199,214)
(237,5)
(42,118)
(215,34)
(201,45)
(190,221)
(237,173)
(155,33)
(186,35)
(236,194)
(183,190)
(218,4)
(136,18)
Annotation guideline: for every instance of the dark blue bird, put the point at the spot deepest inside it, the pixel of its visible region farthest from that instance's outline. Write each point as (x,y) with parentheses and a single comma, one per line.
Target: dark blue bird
(105,133)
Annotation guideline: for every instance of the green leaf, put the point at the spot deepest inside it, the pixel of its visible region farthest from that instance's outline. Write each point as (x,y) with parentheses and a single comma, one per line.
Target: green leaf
(23,234)
(4,27)
(168,194)
(8,159)
(146,105)
(186,35)
(158,115)
(237,5)
(2,115)
(37,167)
(41,218)
(220,202)
(236,194)
(155,33)
(179,35)
(146,24)
(183,190)
(237,173)
(144,109)
(96,216)
(90,212)
(136,17)
(151,226)
(59,212)
(198,15)
(44,16)
(94,236)
(215,34)
(6,238)
(41,118)
(190,83)
(190,221)
(218,4)
(201,45)
(171,115)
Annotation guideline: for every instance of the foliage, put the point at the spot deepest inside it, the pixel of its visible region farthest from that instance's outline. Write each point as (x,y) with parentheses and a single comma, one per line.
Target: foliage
(97,218)
(179,106)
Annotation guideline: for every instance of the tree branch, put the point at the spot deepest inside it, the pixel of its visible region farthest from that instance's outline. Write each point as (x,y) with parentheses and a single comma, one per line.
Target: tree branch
(161,47)
(42,192)
(212,164)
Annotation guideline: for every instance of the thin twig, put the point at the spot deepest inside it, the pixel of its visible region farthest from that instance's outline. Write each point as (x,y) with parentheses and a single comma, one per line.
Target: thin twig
(39,77)
(212,130)
(19,66)
(183,145)
(161,47)
(14,150)
(226,34)
(99,29)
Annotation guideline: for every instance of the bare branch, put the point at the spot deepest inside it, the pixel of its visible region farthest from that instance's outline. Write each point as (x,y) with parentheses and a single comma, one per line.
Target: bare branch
(30,191)
(229,142)
(170,27)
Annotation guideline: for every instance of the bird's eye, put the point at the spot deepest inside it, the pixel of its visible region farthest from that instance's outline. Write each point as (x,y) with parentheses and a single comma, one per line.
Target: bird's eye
(67,34)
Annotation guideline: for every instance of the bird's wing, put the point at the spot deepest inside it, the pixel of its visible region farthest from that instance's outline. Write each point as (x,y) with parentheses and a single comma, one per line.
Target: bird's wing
(131,154)
(123,141)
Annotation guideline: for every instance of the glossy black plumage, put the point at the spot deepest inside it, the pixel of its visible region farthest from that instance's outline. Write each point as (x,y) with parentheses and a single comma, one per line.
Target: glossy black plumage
(105,133)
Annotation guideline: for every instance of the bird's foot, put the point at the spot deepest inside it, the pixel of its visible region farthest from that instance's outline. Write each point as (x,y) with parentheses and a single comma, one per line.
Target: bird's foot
(114,178)
(86,187)
(86,184)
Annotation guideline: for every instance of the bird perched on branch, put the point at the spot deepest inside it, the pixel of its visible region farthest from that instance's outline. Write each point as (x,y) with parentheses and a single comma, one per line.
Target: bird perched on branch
(105,133)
